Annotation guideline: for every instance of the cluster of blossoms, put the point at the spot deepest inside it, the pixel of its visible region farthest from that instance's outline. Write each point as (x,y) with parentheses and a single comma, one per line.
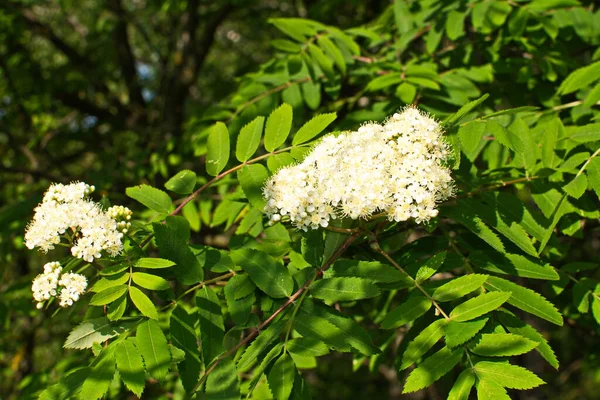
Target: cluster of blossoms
(396,168)
(93,230)
(67,287)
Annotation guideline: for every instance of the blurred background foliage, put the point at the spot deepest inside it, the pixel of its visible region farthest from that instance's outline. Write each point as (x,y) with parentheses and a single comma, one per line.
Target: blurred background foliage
(121,92)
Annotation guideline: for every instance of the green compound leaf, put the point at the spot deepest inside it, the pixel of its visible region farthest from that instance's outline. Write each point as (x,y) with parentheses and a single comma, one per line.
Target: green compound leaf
(143,303)
(507,375)
(278,127)
(152,344)
(457,333)
(149,281)
(153,198)
(182,183)
(463,385)
(411,309)
(432,369)
(183,336)
(281,377)
(108,295)
(97,330)
(249,139)
(313,127)
(153,263)
(131,367)
(422,343)
(502,344)
(212,330)
(217,153)
(478,306)
(459,287)
(343,289)
(252,179)
(526,299)
(265,271)
(100,377)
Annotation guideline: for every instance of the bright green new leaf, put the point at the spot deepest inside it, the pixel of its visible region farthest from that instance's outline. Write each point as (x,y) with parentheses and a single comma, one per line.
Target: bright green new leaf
(459,287)
(490,390)
(507,375)
(252,179)
(526,299)
(580,78)
(153,198)
(343,289)
(248,139)
(218,149)
(149,281)
(478,306)
(432,369)
(462,386)
(421,344)
(210,318)
(130,366)
(182,183)
(455,24)
(278,127)
(457,333)
(502,345)
(153,263)
(100,377)
(577,186)
(152,344)
(108,295)
(322,60)
(333,52)
(281,377)
(143,303)
(415,306)
(313,127)
(266,272)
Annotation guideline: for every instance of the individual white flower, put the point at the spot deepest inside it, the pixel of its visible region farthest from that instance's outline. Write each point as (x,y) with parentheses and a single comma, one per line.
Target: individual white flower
(44,286)
(396,168)
(65,210)
(72,286)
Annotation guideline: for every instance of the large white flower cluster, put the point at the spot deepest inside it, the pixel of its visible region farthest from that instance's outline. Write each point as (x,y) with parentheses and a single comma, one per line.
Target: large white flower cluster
(396,168)
(65,212)
(67,287)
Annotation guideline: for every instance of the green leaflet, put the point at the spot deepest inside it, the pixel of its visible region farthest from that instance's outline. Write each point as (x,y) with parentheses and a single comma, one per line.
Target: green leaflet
(580,78)
(248,139)
(415,306)
(151,197)
(526,299)
(313,127)
(210,318)
(316,327)
(182,183)
(457,333)
(278,127)
(313,247)
(459,287)
(478,306)
(149,281)
(490,390)
(319,57)
(259,345)
(153,347)
(307,347)
(455,24)
(68,386)
(507,375)
(471,221)
(430,266)
(462,386)
(432,369)
(217,153)
(143,303)
(513,264)
(281,377)
(97,330)
(183,335)
(464,110)
(515,325)
(108,295)
(266,272)
(502,344)
(103,370)
(333,52)
(153,263)
(252,179)
(239,308)
(373,270)
(130,366)
(470,136)
(333,290)
(300,391)
(223,382)
(421,344)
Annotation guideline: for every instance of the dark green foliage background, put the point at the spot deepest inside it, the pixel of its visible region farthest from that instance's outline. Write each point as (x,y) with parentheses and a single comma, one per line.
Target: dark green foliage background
(118,93)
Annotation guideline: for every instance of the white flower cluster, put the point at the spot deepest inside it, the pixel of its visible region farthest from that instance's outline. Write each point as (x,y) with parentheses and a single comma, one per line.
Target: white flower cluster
(396,168)
(68,287)
(93,230)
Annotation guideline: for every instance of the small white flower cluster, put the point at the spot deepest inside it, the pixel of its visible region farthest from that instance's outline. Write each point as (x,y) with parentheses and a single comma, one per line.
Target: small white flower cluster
(122,215)
(68,287)
(93,230)
(396,168)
